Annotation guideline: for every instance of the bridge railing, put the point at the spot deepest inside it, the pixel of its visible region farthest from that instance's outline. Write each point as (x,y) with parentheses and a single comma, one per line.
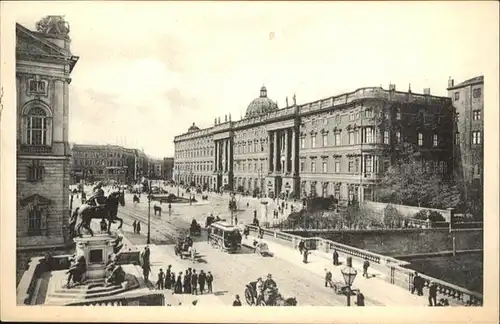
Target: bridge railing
(397,275)
(403,277)
(318,243)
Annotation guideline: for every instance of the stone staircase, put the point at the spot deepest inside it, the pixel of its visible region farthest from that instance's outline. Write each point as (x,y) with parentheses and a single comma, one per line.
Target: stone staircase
(59,294)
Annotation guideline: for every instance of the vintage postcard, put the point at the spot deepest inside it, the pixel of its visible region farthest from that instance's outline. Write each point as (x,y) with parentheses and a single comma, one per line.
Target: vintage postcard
(213,161)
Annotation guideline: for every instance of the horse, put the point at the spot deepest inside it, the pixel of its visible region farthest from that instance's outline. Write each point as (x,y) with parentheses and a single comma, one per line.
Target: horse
(136,199)
(157,209)
(109,212)
(291,301)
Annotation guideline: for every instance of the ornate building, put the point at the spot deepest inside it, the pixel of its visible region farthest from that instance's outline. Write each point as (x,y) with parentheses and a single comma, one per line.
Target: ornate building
(44,63)
(335,146)
(468,100)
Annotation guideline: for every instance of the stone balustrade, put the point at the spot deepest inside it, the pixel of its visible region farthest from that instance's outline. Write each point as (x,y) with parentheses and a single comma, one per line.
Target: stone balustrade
(396,273)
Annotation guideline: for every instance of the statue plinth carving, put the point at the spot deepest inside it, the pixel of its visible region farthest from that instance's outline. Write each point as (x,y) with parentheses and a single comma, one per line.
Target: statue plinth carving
(98,251)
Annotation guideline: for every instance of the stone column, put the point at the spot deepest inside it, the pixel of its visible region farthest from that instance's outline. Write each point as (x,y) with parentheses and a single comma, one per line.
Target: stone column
(287,165)
(223,144)
(216,151)
(292,155)
(230,154)
(58,118)
(269,152)
(276,152)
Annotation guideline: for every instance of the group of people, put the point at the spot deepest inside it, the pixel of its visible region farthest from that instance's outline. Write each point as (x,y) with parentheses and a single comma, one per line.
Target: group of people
(137,227)
(262,285)
(189,282)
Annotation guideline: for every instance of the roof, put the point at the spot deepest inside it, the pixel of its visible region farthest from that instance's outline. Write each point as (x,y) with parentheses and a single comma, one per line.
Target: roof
(471,81)
(224,225)
(261,105)
(193,128)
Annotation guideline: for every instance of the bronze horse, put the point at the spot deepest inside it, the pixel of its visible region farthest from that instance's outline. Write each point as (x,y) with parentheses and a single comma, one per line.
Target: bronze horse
(109,213)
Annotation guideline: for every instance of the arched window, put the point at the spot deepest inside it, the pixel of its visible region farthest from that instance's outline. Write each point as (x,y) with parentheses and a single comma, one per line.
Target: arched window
(36,124)
(37,127)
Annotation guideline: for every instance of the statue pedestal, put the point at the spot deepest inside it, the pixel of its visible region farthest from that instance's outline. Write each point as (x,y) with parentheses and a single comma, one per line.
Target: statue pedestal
(96,250)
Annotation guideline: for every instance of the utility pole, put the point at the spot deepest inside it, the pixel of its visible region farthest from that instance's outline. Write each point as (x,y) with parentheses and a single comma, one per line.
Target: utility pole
(149,213)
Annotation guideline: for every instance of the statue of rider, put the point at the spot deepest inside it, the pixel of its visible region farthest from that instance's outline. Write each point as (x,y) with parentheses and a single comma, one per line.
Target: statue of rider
(97,200)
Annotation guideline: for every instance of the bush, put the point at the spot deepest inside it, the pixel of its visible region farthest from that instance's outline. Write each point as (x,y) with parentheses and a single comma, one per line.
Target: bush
(392,217)
(435,216)
(319,203)
(421,215)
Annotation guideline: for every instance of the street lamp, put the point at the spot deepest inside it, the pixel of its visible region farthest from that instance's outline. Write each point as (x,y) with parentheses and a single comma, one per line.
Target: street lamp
(149,213)
(349,274)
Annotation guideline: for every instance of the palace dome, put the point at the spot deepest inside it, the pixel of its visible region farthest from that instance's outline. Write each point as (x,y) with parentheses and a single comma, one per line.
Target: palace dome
(261,105)
(193,128)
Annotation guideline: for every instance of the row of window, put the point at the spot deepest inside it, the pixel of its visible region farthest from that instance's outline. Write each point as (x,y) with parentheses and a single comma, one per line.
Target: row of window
(364,136)
(476,93)
(109,163)
(98,155)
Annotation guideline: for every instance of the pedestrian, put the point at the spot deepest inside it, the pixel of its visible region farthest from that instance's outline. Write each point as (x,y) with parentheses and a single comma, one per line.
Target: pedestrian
(301,246)
(360,299)
(146,269)
(194,283)
(236,220)
(417,280)
(366,265)
(237,301)
(168,277)
(248,204)
(178,284)
(138,228)
(172,280)
(210,280)
(202,278)
(305,255)
(134,225)
(432,294)
(328,278)
(169,208)
(335,257)
(161,278)
(187,283)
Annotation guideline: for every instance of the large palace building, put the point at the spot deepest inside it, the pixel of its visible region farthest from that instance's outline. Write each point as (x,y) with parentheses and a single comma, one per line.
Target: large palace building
(337,146)
(43,66)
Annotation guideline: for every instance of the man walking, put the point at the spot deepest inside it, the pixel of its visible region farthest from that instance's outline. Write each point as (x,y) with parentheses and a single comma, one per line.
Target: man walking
(366,265)
(134,225)
(160,281)
(328,278)
(202,278)
(210,279)
(432,294)
(194,283)
(335,258)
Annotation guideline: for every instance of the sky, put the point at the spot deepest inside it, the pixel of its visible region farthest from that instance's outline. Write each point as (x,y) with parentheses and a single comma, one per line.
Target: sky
(148,70)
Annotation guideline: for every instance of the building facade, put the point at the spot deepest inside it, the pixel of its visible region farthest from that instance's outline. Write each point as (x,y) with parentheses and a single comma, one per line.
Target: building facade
(337,146)
(468,100)
(44,63)
(100,163)
(168,168)
(155,167)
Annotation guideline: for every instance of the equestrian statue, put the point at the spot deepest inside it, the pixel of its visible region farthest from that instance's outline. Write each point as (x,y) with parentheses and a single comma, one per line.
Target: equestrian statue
(98,206)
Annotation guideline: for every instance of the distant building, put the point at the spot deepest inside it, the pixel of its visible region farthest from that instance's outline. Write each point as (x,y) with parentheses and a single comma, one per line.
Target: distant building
(155,168)
(468,99)
(44,63)
(100,163)
(168,168)
(338,146)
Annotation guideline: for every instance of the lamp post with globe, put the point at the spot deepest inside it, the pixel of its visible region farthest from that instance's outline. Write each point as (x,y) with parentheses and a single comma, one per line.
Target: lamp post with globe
(349,274)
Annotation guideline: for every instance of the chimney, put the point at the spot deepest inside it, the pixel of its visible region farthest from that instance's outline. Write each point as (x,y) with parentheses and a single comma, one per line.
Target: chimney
(427,91)
(392,87)
(451,82)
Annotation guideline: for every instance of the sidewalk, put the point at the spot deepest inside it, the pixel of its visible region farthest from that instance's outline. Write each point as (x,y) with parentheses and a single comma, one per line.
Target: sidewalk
(160,260)
(376,290)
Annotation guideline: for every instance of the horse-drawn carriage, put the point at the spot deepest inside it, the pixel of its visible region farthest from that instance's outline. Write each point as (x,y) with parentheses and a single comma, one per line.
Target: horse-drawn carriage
(270,296)
(185,249)
(224,236)
(195,228)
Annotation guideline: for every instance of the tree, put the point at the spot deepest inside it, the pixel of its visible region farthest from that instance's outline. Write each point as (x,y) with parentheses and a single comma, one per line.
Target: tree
(392,217)
(409,182)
